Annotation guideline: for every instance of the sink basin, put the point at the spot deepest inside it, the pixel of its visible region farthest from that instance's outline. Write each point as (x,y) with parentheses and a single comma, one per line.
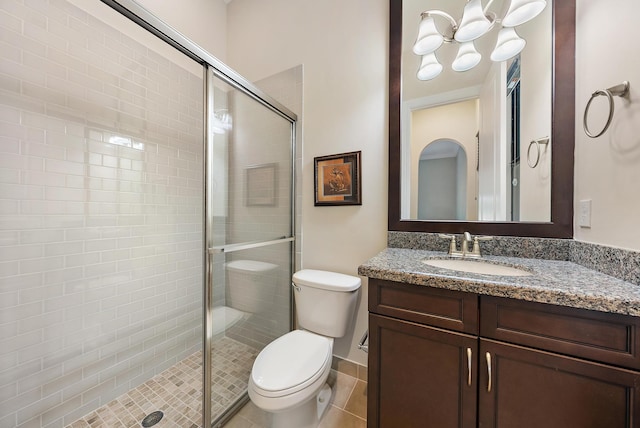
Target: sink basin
(476,266)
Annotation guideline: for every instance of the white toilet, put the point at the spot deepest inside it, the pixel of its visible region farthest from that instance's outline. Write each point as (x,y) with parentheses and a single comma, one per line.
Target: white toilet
(251,285)
(289,375)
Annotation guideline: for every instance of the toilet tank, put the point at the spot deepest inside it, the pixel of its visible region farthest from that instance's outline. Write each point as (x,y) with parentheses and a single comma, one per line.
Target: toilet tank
(325,301)
(251,285)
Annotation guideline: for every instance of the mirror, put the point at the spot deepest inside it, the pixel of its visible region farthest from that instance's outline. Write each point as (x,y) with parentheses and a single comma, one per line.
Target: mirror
(450,99)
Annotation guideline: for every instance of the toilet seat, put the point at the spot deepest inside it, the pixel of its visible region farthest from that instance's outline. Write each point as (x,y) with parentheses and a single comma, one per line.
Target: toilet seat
(291,363)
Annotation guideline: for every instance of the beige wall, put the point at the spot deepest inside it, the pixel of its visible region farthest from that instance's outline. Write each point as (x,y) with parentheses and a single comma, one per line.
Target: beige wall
(535,119)
(608,167)
(343,49)
(203,21)
(459,122)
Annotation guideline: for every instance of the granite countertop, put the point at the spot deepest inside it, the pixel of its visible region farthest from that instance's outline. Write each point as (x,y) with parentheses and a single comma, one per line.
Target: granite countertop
(557,282)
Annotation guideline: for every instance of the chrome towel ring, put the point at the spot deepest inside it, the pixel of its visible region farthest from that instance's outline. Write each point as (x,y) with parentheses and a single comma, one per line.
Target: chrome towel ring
(540,141)
(620,90)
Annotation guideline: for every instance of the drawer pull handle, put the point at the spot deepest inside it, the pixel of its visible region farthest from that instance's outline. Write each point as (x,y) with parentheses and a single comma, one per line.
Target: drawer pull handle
(488,355)
(469,366)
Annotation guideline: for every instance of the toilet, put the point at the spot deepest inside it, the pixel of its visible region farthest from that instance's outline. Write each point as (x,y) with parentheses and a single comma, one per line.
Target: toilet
(251,285)
(289,376)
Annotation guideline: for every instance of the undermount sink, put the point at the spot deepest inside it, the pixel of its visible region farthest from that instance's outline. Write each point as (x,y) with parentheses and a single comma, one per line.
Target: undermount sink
(476,266)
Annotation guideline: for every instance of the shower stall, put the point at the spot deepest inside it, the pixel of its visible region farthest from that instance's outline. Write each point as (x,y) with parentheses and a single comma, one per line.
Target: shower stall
(146,221)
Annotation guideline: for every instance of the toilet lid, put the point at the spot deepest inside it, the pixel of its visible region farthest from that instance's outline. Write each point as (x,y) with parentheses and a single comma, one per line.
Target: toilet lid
(325,280)
(291,362)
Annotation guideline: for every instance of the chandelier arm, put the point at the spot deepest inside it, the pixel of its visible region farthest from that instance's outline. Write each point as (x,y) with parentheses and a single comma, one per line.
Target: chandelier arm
(486,8)
(435,12)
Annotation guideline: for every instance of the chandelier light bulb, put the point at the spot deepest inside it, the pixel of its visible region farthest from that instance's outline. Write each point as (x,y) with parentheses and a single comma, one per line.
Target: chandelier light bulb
(521,11)
(467,58)
(474,22)
(429,38)
(508,45)
(429,67)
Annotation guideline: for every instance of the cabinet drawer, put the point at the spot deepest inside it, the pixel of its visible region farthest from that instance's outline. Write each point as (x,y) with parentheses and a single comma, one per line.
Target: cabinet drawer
(453,310)
(598,336)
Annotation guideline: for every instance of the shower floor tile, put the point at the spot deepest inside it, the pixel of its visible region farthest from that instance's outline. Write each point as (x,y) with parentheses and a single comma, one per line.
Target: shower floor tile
(177,391)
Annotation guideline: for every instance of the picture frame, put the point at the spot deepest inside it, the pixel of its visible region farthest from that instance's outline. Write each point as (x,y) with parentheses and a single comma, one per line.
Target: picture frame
(337,179)
(261,185)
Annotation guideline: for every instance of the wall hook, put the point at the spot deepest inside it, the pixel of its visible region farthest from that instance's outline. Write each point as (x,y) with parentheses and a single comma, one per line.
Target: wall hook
(621,90)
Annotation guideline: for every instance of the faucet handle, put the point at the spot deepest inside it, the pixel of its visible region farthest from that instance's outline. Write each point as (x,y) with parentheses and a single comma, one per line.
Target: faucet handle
(476,244)
(452,243)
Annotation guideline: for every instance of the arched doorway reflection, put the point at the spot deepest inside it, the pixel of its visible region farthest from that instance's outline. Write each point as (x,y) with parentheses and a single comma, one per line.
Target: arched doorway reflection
(442,181)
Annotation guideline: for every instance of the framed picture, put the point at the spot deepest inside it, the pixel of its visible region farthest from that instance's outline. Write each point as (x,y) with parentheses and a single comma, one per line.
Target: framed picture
(261,185)
(337,179)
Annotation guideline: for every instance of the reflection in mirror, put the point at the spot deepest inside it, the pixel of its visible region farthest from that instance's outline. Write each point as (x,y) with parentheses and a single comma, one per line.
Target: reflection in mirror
(442,181)
(509,104)
(493,111)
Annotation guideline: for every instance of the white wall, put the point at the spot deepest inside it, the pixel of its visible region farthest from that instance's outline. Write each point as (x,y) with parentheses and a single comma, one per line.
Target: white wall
(492,151)
(343,49)
(608,167)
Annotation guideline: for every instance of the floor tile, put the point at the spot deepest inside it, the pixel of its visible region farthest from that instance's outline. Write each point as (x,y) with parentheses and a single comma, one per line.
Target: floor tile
(341,385)
(336,418)
(357,403)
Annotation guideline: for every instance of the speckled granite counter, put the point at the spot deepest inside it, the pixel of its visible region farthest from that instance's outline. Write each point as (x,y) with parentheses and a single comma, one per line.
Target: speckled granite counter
(556,282)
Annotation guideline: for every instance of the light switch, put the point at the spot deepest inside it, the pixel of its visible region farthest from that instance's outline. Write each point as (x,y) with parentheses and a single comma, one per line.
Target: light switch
(585,213)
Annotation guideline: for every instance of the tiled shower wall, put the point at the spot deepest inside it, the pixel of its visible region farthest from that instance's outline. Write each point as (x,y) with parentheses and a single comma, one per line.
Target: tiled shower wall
(100,212)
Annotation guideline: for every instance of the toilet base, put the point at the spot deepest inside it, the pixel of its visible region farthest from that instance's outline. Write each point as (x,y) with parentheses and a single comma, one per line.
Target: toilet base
(307,415)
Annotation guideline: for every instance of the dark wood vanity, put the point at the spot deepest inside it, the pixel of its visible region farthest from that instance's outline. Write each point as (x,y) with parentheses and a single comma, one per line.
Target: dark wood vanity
(445,358)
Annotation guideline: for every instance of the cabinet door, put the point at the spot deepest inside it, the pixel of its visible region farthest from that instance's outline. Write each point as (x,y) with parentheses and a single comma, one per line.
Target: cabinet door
(420,376)
(527,388)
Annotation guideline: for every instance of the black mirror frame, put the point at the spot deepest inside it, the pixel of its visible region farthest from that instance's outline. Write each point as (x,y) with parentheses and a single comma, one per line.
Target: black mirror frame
(562,136)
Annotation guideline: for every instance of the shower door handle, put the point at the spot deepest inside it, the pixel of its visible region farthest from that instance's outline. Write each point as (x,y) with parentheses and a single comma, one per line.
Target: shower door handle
(230,248)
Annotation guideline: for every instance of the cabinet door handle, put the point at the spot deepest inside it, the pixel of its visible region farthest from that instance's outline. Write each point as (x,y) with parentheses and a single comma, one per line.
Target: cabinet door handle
(488,355)
(469,366)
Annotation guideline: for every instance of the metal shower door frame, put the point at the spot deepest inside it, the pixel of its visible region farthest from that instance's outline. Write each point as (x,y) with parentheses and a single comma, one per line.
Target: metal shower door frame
(214,68)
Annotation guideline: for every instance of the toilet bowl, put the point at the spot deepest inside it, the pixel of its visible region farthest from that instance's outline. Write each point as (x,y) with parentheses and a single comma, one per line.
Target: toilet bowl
(288,378)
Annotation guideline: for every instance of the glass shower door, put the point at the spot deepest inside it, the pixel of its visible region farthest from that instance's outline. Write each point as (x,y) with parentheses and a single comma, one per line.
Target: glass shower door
(250,235)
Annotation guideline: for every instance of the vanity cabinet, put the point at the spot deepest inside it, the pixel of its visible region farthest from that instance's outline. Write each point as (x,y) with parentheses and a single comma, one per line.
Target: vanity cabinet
(442,358)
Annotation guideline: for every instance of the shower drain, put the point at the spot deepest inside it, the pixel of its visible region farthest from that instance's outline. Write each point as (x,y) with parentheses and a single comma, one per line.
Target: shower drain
(152,418)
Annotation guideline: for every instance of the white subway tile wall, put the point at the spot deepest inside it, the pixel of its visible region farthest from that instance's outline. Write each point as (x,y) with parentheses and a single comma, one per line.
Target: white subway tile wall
(100,212)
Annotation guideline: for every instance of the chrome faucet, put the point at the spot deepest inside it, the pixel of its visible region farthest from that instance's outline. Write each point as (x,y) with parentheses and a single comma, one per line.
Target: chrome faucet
(464,247)
(467,239)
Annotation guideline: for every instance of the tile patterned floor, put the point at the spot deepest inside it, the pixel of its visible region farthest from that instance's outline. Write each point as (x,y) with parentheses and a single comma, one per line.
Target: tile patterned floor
(177,391)
(348,407)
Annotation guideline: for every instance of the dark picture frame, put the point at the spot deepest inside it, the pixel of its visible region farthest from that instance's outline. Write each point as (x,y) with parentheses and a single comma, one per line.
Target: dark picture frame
(261,185)
(337,179)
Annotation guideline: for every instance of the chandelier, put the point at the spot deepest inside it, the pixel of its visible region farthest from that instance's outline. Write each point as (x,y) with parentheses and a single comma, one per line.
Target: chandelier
(475,23)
